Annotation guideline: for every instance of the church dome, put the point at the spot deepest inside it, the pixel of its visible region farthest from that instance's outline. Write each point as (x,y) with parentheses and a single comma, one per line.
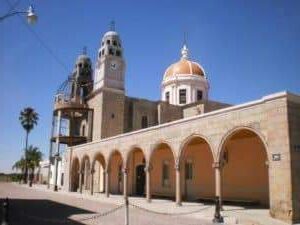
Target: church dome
(184,67)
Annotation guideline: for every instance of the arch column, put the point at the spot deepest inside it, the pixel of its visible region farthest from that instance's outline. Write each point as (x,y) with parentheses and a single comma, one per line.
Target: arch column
(80,181)
(104,181)
(178,186)
(125,181)
(92,181)
(107,183)
(218,176)
(148,183)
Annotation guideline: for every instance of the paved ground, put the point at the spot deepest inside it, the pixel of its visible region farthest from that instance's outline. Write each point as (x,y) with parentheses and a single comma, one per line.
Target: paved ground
(42,206)
(36,206)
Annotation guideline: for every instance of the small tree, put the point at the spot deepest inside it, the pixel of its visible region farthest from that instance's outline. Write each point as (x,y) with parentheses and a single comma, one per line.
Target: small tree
(34,156)
(20,165)
(28,118)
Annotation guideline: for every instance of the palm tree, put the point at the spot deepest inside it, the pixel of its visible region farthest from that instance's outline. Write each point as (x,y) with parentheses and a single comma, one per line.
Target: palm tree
(28,118)
(34,156)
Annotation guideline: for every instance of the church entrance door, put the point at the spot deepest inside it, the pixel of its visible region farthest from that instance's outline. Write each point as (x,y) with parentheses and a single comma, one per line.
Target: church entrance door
(140,179)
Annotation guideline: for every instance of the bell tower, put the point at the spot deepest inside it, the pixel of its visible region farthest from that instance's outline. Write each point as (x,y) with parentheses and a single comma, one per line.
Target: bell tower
(110,65)
(108,99)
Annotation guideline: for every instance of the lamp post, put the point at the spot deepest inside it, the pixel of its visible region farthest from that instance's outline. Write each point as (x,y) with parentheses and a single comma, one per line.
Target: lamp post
(30,14)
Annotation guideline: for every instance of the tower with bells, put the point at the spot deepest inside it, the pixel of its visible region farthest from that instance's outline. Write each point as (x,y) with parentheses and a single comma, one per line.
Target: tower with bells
(110,64)
(108,99)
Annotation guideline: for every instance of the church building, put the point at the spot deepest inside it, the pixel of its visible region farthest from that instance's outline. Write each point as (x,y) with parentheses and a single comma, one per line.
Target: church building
(184,147)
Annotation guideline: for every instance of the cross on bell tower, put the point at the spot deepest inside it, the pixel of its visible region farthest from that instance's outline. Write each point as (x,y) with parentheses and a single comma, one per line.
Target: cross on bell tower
(112,25)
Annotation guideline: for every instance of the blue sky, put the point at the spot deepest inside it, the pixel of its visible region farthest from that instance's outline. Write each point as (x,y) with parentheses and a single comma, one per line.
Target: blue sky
(248,48)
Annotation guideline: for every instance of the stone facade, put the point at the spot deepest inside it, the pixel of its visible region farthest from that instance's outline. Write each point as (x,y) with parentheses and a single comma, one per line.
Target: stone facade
(294,142)
(273,119)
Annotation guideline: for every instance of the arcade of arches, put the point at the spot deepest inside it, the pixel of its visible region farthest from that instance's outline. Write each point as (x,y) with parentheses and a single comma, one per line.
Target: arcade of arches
(239,173)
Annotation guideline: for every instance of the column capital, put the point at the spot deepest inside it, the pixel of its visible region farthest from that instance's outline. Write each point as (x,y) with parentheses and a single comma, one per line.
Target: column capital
(92,171)
(217,165)
(80,172)
(148,168)
(125,170)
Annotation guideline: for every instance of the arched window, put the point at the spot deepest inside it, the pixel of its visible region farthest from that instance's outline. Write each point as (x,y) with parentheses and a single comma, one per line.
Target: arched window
(83,130)
(166,173)
(167,96)
(199,95)
(182,96)
(144,121)
(118,53)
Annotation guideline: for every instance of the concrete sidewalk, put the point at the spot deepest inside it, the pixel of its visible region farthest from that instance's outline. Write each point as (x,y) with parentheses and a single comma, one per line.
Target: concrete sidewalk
(232,214)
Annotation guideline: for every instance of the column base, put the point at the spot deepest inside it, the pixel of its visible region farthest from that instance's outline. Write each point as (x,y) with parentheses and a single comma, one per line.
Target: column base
(218,220)
(178,203)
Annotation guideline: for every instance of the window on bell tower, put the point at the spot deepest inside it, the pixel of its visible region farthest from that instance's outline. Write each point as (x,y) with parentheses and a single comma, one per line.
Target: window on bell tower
(118,53)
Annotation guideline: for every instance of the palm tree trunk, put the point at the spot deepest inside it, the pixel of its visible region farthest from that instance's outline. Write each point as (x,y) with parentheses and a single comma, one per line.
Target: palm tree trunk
(26,166)
(31,177)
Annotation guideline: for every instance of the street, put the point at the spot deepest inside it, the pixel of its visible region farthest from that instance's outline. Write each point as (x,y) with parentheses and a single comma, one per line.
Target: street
(35,207)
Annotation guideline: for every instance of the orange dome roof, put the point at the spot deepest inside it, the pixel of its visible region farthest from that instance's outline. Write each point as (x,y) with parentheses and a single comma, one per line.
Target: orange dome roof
(184,66)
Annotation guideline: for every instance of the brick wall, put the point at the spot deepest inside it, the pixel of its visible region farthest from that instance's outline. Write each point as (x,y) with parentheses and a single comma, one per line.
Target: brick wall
(294,133)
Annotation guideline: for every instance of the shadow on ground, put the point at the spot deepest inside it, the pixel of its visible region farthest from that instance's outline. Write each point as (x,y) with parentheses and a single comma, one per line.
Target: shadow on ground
(40,212)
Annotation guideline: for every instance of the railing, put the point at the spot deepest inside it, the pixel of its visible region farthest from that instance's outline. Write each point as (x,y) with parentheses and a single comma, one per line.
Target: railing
(97,218)
(63,99)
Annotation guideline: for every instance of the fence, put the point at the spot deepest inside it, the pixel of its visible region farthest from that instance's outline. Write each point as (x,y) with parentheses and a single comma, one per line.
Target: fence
(155,217)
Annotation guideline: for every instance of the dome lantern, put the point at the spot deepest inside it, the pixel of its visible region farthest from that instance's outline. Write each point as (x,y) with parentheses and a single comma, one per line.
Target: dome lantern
(184,82)
(184,52)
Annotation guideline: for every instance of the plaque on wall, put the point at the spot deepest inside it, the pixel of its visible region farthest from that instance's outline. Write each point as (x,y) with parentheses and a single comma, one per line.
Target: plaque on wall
(276,157)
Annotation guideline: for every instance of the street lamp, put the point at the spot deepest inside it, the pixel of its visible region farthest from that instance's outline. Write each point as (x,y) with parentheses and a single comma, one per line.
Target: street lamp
(30,14)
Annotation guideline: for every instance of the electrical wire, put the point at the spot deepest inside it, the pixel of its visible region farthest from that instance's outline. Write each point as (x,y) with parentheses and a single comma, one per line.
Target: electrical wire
(39,39)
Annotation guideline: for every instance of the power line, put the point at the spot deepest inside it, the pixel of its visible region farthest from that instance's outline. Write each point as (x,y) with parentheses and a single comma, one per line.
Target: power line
(40,40)
(13,6)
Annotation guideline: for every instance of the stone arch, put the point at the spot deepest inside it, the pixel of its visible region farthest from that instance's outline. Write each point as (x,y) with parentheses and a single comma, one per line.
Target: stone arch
(135,165)
(85,172)
(189,138)
(115,168)
(160,143)
(244,158)
(75,171)
(132,149)
(98,169)
(162,163)
(234,130)
(196,159)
